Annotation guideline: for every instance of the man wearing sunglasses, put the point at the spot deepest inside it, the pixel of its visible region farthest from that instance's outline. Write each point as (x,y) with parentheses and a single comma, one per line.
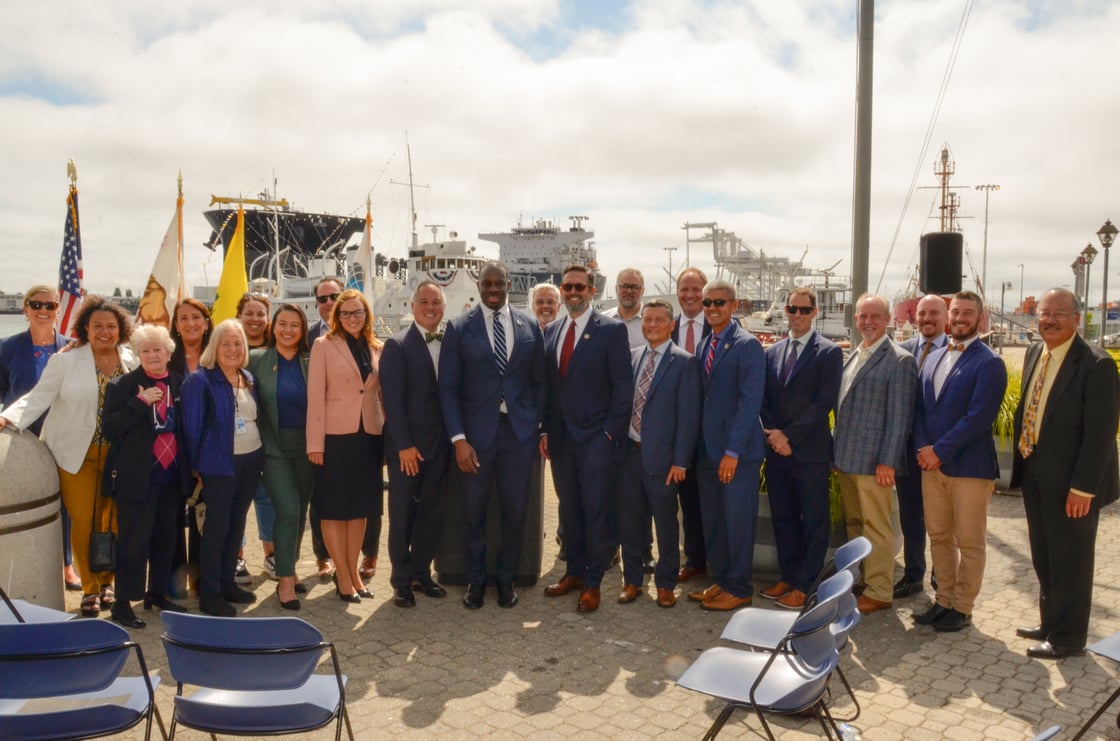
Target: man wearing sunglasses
(802,381)
(591,389)
(729,450)
(326,294)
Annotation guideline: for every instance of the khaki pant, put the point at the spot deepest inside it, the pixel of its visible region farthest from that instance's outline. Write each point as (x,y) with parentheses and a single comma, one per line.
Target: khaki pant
(78,491)
(867,512)
(956,511)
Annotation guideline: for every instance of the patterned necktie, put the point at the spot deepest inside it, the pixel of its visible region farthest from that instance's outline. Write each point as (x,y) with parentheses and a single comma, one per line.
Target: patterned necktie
(791,360)
(499,343)
(925,354)
(1029,438)
(711,357)
(690,338)
(566,350)
(641,392)
(165,448)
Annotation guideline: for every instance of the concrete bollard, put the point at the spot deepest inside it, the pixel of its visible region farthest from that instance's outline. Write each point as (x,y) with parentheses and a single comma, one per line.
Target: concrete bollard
(30,533)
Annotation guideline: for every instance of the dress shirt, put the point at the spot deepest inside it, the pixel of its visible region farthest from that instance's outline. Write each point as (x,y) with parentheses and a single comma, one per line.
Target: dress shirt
(697,323)
(507,325)
(853,366)
(434,345)
(581,325)
(948,361)
(1057,357)
(633,326)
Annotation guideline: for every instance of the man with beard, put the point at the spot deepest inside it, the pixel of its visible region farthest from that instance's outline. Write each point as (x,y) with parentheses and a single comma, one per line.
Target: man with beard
(629,287)
(1065,459)
(931,336)
(960,391)
(590,393)
(492,393)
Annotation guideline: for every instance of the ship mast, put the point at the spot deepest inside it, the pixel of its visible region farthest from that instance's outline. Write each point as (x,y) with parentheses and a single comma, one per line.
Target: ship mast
(411,197)
(944,170)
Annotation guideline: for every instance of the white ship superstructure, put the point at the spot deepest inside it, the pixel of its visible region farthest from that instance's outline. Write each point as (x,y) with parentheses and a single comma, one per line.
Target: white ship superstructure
(539,252)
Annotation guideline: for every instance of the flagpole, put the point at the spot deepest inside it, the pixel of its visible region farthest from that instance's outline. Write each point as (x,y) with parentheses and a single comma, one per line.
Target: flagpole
(181,288)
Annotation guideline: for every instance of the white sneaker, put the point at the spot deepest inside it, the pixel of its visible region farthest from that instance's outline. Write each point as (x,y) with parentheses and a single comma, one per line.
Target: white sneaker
(270,567)
(241,574)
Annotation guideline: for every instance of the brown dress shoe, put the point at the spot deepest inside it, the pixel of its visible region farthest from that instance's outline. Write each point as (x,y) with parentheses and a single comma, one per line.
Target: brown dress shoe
(705,594)
(368,567)
(794,600)
(867,605)
(562,587)
(629,594)
(666,598)
(326,569)
(779,590)
(589,600)
(687,572)
(725,601)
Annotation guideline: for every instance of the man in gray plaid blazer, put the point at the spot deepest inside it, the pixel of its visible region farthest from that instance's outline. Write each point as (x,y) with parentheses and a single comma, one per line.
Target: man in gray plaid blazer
(873,418)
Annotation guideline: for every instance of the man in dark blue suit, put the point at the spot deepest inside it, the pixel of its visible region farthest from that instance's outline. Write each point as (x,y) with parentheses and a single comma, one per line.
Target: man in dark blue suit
(590,392)
(960,391)
(660,447)
(492,391)
(730,449)
(416,447)
(931,336)
(803,374)
(690,332)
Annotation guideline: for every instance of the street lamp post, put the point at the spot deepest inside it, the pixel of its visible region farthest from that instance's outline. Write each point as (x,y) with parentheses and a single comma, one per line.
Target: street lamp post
(670,250)
(1002,319)
(1088,255)
(1106,234)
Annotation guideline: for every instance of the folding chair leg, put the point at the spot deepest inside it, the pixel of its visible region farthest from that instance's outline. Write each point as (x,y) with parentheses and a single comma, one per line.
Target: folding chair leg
(720,721)
(343,716)
(820,719)
(831,720)
(765,725)
(851,694)
(1097,715)
(174,723)
(159,720)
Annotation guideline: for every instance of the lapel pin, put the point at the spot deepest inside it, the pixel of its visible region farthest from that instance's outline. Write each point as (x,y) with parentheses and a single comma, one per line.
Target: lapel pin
(587,336)
(726,345)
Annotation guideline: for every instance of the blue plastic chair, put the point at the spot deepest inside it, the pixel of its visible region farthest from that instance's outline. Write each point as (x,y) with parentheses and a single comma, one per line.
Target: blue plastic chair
(254,677)
(62,680)
(791,679)
(1109,648)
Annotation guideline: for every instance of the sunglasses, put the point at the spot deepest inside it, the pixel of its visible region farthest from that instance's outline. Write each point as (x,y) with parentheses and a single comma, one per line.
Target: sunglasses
(802,310)
(40,305)
(328,297)
(716,302)
(574,287)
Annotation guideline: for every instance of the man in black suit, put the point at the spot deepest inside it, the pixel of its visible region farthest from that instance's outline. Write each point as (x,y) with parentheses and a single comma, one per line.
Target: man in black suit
(326,294)
(1065,459)
(416,447)
(590,393)
(803,374)
(690,332)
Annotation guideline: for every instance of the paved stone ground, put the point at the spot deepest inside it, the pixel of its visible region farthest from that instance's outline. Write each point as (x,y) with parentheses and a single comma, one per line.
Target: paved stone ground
(542,670)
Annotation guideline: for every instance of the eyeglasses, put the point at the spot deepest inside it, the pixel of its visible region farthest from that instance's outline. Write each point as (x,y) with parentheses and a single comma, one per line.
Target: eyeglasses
(326,298)
(574,287)
(356,314)
(802,310)
(716,302)
(629,287)
(40,305)
(1059,315)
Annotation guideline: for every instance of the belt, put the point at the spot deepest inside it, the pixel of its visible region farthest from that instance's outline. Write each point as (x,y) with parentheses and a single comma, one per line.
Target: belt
(632,443)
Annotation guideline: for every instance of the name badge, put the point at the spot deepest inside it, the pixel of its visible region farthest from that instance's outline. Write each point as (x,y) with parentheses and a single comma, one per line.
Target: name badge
(239,425)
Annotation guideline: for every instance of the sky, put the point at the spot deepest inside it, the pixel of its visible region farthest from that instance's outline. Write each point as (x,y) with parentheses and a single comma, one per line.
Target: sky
(640,115)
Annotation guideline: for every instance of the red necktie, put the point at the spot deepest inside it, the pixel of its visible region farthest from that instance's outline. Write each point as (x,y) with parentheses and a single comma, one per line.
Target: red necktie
(711,356)
(690,339)
(165,446)
(566,350)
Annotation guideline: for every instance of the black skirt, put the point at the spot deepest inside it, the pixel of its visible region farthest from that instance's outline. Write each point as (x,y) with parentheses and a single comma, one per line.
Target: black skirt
(349,485)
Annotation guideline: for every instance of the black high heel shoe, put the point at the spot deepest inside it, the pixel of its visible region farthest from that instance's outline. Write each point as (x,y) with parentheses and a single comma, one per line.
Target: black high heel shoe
(351,598)
(364,594)
(292,604)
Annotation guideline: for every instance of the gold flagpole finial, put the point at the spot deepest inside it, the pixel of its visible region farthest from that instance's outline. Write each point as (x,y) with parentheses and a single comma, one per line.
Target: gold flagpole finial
(180,182)
(72,172)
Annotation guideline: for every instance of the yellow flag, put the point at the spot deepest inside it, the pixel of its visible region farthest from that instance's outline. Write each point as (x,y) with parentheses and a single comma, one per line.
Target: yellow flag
(234,283)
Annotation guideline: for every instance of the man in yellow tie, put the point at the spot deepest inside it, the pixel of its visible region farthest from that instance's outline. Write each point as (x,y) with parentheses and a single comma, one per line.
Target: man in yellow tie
(1065,460)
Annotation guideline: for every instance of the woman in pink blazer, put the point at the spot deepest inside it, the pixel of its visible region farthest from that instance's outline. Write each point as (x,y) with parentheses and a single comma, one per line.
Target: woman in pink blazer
(344,421)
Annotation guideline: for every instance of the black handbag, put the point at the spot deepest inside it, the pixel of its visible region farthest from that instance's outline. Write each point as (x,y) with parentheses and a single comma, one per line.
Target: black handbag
(102,545)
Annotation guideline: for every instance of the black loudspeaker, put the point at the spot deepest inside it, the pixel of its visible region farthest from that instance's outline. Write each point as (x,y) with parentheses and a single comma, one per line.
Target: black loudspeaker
(941,262)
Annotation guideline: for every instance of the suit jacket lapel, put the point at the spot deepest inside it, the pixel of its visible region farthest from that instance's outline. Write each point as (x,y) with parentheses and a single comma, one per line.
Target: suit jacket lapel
(418,343)
(807,353)
(662,369)
(342,347)
(1064,378)
(872,361)
(721,350)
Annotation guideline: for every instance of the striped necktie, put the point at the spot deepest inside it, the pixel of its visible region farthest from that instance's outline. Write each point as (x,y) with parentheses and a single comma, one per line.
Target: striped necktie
(499,342)
(642,391)
(711,356)
(791,360)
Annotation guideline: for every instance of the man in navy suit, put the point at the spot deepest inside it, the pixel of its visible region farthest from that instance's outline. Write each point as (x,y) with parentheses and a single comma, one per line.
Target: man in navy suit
(931,336)
(960,391)
(492,391)
(327,291)
(660,446)
(690,332)
(590,392)
(1065,458)
(416,447)
(729,450)
(802,381)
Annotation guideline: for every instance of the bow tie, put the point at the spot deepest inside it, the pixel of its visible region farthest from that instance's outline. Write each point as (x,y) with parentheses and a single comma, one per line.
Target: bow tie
(430,336)
(958,346)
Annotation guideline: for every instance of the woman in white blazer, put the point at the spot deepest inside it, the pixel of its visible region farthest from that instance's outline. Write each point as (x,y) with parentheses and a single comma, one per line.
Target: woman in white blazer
(73,388)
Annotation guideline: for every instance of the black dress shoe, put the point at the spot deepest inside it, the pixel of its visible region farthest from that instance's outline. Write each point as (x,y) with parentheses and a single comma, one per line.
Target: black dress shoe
(122,613)
(163,603)
(216,606)
(474,597)
(1035,634)
(402,597)
(905,588)
(352,599)
(931,615)
(239,596)
(952,621)
(1047,650)
(507,596)
(430,589)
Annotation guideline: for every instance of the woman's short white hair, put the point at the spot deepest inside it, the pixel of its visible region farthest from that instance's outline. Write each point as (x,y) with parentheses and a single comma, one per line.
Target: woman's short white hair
(210,355)
(145,333)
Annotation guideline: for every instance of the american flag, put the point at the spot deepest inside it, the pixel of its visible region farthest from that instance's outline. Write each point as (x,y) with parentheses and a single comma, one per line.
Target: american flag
(70,268)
